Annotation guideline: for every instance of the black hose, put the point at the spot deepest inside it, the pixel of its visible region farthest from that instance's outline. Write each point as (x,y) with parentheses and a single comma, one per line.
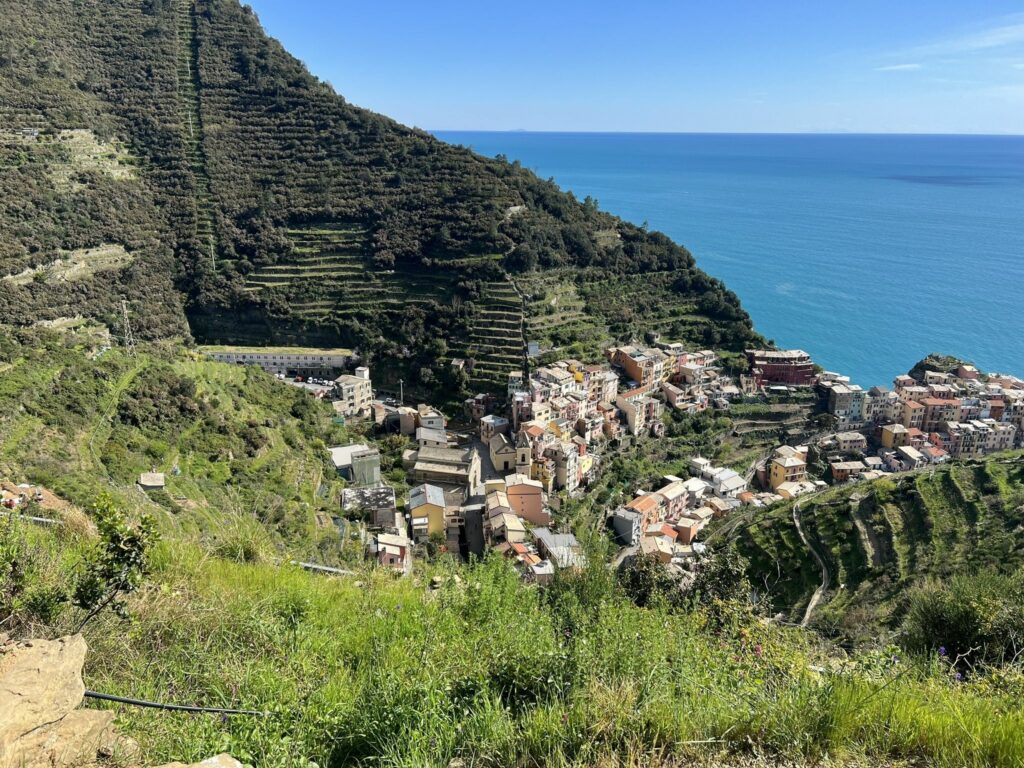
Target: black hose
(174,707)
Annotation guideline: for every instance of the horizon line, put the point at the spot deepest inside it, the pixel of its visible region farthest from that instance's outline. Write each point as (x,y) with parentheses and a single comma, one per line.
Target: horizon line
(723,133)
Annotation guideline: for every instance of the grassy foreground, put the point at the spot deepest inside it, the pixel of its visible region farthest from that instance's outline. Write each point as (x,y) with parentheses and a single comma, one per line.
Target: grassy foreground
(378,671)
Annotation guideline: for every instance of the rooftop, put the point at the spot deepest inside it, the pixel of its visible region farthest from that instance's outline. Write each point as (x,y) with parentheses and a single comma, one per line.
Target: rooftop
(210,348)
(426,494)
(341,455)
(358,498)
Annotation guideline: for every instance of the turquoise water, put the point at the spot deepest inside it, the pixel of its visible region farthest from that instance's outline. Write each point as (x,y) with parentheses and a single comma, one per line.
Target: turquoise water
(866,251)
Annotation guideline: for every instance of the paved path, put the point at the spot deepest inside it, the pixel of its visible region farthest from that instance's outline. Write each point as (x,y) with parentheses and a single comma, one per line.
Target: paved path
(826,578)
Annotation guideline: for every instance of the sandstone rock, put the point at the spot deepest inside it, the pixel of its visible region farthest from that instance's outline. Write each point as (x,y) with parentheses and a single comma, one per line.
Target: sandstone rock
(220,761)
(40,726)
(40,684)
(74,740)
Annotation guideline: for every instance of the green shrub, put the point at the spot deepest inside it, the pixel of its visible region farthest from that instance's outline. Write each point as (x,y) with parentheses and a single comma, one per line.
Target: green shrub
(972,617)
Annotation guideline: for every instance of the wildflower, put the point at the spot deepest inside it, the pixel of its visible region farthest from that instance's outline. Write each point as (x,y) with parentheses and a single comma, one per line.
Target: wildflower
(942,651)
(959,677)
(758,650)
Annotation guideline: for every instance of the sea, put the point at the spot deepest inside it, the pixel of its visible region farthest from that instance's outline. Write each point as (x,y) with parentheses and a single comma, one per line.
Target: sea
(866,251)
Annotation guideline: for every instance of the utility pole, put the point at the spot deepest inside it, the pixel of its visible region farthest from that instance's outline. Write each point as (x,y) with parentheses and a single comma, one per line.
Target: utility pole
(401,392)
(126,326)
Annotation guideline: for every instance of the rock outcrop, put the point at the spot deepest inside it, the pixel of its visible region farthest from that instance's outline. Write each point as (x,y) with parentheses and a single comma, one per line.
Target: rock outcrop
(41,726)
(220,761)
(40,690)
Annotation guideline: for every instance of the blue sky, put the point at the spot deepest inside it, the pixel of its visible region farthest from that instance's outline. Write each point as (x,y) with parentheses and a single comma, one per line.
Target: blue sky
(918,66)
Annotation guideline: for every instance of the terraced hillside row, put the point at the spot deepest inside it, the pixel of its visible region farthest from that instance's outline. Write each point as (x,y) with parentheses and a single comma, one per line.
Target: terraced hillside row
(334,261)
(557,316)
(495,339)
(191,122)
(881,538)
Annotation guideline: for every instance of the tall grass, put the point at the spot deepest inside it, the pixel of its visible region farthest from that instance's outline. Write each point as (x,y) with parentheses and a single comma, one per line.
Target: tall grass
(386,672)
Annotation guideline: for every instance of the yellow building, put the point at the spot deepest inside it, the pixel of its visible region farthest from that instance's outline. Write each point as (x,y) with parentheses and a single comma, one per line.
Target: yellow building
(787,469)
(895,436)
(426,503)
(586,464)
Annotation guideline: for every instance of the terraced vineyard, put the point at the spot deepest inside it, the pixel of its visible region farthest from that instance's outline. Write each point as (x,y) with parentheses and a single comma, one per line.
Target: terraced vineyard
(328,275)
(557,314)
(261,207)
(881,538)
(496,335)
(190,118)
(644,305)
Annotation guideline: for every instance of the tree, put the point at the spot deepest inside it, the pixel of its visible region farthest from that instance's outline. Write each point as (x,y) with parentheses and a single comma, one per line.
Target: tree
(646,581)
(118,564)
(721,577)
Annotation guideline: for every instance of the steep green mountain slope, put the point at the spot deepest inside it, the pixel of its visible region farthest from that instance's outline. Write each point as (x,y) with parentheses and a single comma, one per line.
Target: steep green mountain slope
(282,213)
(881,539)
(244,455)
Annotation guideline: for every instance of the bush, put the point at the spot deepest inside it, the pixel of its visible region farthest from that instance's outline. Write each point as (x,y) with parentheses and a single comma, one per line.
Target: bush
(974,617)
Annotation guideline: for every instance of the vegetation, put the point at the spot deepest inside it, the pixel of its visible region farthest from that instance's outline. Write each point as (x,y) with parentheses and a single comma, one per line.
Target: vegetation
(905,548)
(597,668)
(935,362)
(180,133)
(244,455)
(490,671)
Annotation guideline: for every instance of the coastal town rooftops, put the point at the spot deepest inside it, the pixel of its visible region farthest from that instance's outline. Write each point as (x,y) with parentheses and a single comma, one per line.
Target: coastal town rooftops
(695,485)
(646,503)
(673,490)
(445,455)
(789,461)
(848,466)
(497,500)
(562,548)
(520,479)
(428,435)
(392,540)
(426,494)
(911,453)
(367,498)
(848,436)
(655,545)
(341,455)
(779,354)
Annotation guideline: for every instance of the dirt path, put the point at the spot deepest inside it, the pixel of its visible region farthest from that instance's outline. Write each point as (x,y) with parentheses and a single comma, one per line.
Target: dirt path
(826,578)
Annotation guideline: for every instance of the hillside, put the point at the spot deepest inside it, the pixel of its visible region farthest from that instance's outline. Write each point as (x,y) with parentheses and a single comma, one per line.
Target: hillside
(455,663)
(177,135)
(244,455)
(483,670)
(882,539)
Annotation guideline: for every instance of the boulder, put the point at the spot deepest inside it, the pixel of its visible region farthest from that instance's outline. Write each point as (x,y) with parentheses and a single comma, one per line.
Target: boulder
(40,725)
(40,688)
(219,761)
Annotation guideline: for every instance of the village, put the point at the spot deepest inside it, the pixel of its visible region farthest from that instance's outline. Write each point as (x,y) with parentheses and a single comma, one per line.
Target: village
(495,477)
